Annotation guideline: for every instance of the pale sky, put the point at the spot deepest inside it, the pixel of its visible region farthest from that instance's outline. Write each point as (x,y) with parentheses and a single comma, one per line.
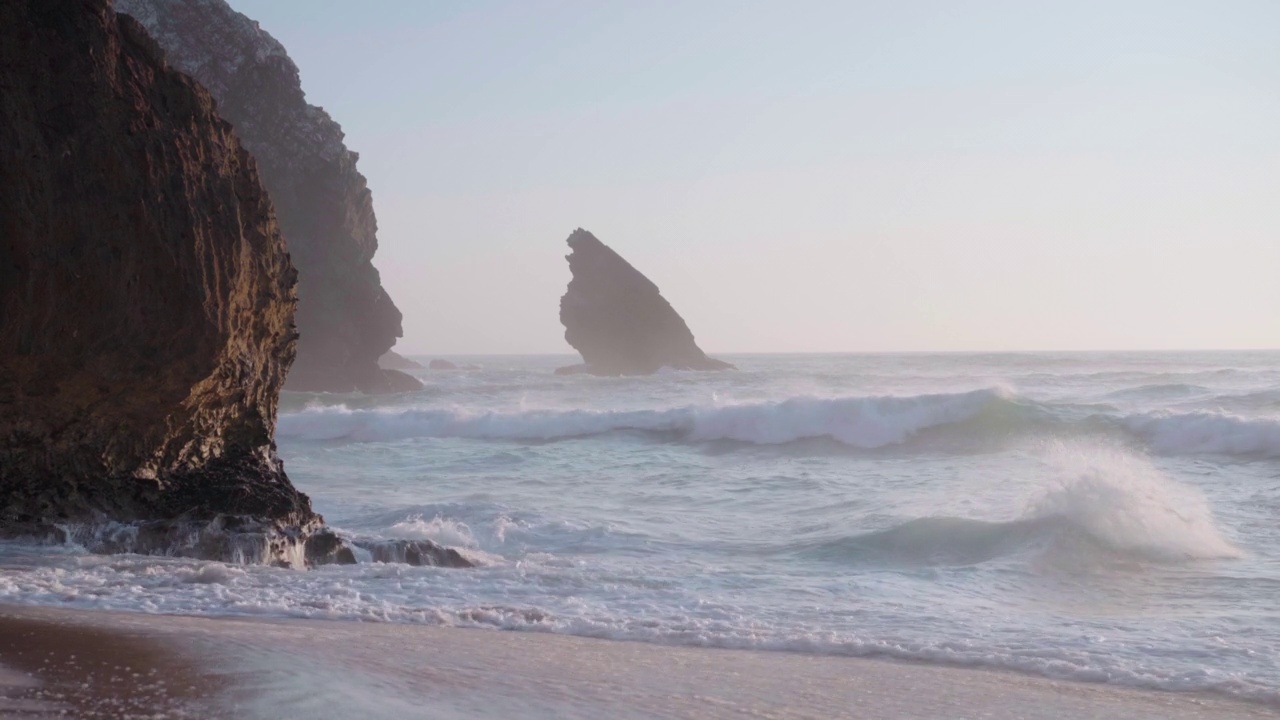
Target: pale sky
(817,176)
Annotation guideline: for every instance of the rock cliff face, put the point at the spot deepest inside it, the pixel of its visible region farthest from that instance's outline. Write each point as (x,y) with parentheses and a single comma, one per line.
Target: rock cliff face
(618,321)
(146,298)
(345,318)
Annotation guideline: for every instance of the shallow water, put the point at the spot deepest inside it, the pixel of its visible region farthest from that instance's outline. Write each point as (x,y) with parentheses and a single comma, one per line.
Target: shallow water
(1106,517)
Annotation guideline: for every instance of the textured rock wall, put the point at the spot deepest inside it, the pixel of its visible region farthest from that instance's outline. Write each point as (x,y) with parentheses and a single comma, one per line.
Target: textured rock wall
(146,298)
(616,318)
(345,318)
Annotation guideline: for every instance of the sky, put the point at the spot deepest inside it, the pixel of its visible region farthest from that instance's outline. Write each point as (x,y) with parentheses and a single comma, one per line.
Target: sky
(817,176)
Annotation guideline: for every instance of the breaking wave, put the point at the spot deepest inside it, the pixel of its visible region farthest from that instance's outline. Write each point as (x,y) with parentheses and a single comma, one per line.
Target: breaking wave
(1208,433)
(865,422)
(1099,503)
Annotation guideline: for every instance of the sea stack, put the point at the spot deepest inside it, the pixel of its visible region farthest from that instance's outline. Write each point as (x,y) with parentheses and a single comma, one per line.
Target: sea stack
(146,300)
(616,318)
(345,318)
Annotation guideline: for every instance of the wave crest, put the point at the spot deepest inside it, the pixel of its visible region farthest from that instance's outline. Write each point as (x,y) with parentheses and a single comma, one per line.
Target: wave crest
(1100,503)
(987,416)
(863,422)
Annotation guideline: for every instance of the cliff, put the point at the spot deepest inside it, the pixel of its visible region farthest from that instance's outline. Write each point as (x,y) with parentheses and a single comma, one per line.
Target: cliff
(146,298)
(345,318)
(616,318)
(146,308)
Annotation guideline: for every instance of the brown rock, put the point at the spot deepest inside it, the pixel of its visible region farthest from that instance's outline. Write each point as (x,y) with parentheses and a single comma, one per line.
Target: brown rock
(617,319)
(345,318)
(146,298)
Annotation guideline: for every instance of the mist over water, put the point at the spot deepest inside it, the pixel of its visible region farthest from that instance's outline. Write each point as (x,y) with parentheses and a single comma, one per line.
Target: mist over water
(1100,517)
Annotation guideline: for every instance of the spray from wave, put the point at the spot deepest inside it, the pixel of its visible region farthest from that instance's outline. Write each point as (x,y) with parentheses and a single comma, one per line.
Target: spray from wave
(1100,503)
(1126,503)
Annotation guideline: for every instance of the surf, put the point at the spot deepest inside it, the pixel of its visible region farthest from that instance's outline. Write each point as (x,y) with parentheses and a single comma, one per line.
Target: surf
(976,419)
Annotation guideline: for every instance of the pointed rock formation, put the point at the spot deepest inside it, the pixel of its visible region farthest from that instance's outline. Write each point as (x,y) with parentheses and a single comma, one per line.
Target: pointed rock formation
(617,319)
(345,318)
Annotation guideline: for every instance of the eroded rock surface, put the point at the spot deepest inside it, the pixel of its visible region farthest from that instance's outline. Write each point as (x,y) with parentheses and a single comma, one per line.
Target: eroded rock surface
(345,318)
(146,307)
(616,318)
(146,298)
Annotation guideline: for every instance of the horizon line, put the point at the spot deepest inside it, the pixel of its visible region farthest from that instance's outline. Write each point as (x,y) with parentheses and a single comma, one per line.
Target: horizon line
(870,352)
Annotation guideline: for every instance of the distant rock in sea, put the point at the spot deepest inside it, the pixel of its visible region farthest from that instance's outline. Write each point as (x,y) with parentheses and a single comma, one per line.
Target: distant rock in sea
(146,307)
(438,364)
(345,318)
(617,319)
(392,360)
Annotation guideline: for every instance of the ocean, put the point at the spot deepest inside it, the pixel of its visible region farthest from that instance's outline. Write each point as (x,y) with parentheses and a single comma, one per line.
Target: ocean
(1102,517)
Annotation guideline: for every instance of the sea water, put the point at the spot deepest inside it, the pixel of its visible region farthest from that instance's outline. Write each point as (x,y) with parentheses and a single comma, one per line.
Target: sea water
(1091,516)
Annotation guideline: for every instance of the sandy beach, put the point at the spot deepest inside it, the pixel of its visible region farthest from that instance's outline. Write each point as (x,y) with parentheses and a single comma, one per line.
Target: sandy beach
(123,665)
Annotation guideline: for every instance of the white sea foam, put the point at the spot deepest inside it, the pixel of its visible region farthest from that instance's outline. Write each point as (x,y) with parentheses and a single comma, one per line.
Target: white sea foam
(858,421)
(864,422)
(1125,502)
(445,531)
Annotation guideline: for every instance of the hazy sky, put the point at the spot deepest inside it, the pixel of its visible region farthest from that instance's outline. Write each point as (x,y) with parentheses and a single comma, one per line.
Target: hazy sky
(821,176)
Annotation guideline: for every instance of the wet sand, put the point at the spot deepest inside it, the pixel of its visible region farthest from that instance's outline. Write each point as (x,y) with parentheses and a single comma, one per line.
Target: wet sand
(57,664)
(120,665)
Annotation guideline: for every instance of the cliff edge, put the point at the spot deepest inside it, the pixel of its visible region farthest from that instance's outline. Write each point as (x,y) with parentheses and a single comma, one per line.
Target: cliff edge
(346,320)
(616,318)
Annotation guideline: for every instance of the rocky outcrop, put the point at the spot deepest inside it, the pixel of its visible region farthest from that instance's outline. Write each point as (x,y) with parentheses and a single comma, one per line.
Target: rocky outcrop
(147,301)
(345,318)
(617,319)
(392,360)
(146,305)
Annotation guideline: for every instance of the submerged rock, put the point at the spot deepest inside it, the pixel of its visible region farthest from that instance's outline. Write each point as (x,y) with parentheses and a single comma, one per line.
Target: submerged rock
(413,552)
(345,318)
(146,306)
(617,319)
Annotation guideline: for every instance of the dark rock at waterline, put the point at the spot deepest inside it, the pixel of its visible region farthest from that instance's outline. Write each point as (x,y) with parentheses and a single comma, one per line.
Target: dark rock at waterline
(392,360)
(616,318)
(439,364)
(236,539)
(414,552)
(345,318)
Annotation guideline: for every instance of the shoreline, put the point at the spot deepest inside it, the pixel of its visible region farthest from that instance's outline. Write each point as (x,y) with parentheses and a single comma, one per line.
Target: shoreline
(121,664)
